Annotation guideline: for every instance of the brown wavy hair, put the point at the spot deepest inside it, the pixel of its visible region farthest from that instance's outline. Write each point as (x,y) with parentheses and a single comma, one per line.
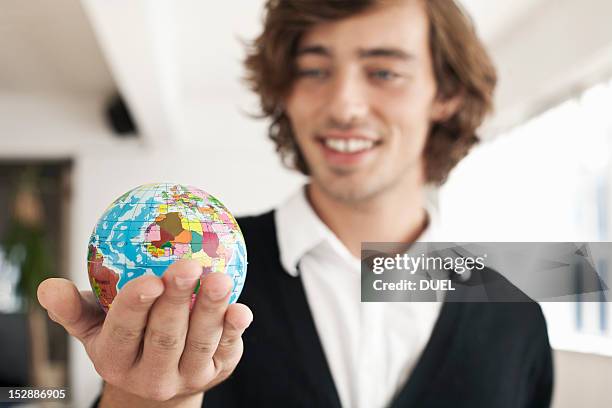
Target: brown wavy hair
(461,67)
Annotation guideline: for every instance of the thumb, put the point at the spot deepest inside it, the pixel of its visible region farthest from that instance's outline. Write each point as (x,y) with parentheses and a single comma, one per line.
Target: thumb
(76,311)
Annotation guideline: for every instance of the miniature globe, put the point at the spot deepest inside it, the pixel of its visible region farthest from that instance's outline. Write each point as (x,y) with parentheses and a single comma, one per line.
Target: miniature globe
(148,228)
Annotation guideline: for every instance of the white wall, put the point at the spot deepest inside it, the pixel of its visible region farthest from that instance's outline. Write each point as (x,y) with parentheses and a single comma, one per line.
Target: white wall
(51,125)
(582,380)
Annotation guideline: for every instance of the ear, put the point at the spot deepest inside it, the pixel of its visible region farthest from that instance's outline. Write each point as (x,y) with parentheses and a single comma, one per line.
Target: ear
(443,109)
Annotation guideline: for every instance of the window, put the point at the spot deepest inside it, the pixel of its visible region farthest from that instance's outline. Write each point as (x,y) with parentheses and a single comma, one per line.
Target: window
(548,179)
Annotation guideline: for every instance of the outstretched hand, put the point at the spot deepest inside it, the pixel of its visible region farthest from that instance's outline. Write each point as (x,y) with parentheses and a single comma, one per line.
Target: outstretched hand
(150,345)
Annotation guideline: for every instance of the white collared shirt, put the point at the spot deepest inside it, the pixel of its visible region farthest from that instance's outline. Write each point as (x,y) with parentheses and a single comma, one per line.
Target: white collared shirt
(371,348)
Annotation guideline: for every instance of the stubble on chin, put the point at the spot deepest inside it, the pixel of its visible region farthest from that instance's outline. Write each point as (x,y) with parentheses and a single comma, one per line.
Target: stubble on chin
(342,185)
(346,189)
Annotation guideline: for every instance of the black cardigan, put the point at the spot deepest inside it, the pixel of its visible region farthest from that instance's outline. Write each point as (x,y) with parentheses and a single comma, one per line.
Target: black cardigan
(492,355)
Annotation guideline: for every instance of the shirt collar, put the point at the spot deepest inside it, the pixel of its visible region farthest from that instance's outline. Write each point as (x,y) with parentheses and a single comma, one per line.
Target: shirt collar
(299,230)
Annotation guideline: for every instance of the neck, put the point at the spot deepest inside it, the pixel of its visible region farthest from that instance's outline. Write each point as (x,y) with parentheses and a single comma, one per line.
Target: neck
(395,215)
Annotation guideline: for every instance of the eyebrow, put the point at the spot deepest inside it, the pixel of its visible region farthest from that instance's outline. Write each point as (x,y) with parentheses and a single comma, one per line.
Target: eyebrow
(386,52)
(313,50)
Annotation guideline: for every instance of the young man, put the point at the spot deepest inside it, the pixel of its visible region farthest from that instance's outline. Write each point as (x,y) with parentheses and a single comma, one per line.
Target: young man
(372,100)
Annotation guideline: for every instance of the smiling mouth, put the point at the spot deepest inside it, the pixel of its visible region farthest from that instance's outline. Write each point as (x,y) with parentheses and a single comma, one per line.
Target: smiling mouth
(348,145)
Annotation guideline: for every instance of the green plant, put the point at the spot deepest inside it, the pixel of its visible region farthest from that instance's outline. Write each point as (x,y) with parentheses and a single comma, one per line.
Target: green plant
(25,242)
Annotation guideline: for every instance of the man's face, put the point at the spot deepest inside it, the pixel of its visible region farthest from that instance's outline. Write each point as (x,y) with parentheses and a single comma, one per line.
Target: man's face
(363,100)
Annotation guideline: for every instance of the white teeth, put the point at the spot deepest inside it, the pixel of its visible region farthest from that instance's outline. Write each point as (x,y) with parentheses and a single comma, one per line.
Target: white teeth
(349,145)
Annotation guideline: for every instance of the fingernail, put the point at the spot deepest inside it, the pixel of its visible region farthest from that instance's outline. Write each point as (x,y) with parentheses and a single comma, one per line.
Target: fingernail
(217,293)
(185,283)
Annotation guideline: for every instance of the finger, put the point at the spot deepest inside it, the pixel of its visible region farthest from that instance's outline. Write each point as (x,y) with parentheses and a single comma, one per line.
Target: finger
(237,318)
(169,319)
(206,327)
(77,311)
(118,345)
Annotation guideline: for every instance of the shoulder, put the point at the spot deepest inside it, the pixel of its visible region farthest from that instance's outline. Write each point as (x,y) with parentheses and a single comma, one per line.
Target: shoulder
(493,302)
(509,319)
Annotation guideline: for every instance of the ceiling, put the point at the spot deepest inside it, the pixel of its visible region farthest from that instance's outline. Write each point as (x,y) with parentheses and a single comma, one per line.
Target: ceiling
(168,57)
(493,18)
(49,46)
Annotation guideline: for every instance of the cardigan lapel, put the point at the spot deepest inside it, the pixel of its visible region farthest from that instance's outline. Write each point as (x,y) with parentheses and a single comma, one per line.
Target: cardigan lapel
(315,375)
(433,357)
(309,351)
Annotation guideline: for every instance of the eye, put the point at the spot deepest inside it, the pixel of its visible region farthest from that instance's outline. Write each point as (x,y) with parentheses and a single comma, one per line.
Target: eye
(312,73)
(384,74)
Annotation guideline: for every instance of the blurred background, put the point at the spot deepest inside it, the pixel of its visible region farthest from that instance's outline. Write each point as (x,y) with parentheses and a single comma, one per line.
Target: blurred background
(99,96)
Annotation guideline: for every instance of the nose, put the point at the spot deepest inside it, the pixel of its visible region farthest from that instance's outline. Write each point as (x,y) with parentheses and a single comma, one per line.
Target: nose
(347,100)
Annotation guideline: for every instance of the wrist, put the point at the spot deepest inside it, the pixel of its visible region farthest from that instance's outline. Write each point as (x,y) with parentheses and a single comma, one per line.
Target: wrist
(114,397)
